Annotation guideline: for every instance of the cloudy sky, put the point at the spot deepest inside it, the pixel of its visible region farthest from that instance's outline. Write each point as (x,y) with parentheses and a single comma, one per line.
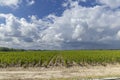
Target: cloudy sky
(60,24)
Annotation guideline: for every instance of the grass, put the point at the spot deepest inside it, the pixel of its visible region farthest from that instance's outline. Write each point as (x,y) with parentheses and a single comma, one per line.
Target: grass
(26,58)
(92,57)
(58,58)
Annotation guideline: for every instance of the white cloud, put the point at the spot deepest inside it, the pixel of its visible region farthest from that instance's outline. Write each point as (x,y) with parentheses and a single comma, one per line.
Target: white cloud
(71,3)
(111,3)
(118,35)
(18,31)
(30,2)
(10,3)
(78,28)
(15,3)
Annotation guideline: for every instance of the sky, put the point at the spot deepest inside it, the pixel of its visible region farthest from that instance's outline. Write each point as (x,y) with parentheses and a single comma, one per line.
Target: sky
(60,24)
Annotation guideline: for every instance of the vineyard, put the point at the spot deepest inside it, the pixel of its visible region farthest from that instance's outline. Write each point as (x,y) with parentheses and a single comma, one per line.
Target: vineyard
(58,58)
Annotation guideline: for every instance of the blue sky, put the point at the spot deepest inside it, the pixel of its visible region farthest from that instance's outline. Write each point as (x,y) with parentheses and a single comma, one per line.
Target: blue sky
(60,24)
(41,8)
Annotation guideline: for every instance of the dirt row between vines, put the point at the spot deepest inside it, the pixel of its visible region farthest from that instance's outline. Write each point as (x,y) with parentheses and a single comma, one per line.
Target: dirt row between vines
(59,72)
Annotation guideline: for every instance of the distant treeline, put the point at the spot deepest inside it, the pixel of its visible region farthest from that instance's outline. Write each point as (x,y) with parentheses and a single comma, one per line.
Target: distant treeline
(10,49)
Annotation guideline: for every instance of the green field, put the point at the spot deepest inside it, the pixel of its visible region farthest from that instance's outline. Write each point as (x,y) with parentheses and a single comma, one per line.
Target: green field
(58,58)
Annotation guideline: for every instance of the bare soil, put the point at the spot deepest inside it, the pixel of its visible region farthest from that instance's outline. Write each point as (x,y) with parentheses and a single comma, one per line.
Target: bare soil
(19,73)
